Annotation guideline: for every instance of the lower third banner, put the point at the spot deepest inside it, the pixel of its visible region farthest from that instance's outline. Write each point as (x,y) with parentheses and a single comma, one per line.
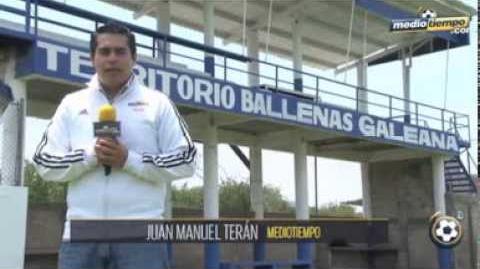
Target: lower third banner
(230,231)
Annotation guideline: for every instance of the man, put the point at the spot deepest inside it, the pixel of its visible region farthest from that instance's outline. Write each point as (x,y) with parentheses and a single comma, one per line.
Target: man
(154,148)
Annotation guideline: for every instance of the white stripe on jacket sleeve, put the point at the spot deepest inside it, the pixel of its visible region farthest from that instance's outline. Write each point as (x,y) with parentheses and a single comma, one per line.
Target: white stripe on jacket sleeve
(53,158)
(176,154)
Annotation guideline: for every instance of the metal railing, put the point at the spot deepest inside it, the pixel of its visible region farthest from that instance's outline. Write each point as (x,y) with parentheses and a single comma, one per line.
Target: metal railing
(469,162)
(232,67)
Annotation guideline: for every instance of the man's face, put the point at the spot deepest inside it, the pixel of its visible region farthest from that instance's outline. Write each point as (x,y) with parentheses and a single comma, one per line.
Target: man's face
(113,60)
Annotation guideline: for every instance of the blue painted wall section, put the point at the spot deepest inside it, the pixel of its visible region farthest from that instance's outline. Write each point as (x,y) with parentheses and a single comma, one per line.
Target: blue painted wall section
(53,59)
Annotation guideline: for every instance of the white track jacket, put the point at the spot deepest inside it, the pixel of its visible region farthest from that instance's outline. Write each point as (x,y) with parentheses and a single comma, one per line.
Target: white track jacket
(159,150)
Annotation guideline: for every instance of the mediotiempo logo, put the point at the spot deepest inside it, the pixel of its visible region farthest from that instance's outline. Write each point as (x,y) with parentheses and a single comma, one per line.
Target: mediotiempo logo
(428,21)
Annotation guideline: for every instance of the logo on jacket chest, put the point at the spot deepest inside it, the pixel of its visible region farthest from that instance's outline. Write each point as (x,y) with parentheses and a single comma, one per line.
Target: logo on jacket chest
(83,112)
(138,106)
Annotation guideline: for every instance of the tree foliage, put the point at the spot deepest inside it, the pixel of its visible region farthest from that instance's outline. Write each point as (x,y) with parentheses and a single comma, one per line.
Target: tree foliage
(274,201)
(234,196)
(187,197)
(41,191)
(335,209)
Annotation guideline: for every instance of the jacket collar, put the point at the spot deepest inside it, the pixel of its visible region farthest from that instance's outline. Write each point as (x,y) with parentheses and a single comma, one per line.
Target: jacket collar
(131,85)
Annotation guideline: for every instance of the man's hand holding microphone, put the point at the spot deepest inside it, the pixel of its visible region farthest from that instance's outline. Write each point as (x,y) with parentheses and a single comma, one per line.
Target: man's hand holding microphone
(109,151)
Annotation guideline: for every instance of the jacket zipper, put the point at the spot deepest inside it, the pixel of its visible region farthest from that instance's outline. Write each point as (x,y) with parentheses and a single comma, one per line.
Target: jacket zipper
(107,178)
(105,198)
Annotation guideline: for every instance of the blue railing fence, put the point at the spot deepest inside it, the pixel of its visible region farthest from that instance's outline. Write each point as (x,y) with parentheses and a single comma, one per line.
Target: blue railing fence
(48,15)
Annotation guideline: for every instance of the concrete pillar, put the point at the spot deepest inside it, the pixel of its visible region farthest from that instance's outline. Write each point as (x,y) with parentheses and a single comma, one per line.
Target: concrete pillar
(210,192)
(301,184)
(366,192)
(210,170)
(256,196)
(256,181)
(253,52)
(362,104)
(304,250)
(297,26)
(406,66)
(13,122)
(362,84)
(256,185)
(209,35)
(438,183)
(163,26)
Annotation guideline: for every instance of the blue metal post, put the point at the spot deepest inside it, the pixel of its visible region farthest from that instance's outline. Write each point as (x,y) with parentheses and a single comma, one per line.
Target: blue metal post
(298,84)
(259,251)
(455,123)
(225,68)
(297,53)
(28,16)
(210,65)
(304,251)
(212,256)
(36,17)
(443,120)
(164,51)
(154,47)
(209,35)
(276,77)
(390,106)
(357,103)
(170,254)
(445,258)
(416,114)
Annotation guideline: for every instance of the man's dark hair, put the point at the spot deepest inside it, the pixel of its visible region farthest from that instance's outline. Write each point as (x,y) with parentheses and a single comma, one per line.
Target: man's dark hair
(113,28)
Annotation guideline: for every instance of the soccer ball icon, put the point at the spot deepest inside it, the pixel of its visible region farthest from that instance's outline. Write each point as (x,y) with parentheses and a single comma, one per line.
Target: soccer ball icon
(447,230)
(428,14)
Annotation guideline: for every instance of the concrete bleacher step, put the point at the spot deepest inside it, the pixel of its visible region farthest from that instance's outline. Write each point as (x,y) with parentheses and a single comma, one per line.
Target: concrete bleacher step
(457,179)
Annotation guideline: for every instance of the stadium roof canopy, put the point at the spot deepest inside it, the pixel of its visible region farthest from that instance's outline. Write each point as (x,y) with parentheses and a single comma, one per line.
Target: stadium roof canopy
(326,25)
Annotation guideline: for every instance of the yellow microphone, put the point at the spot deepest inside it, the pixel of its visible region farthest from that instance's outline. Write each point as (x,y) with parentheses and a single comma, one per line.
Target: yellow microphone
(107,126)
(107,113)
